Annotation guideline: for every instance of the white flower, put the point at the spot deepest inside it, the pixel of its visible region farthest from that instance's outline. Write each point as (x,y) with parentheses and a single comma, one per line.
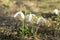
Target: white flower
(21,13)
(56,11)
(29,17)
(41,19)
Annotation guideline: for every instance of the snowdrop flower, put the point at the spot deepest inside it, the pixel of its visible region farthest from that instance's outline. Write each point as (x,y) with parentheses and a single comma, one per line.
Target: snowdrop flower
(29,17)
(56,11)
(21,13)
(41,19)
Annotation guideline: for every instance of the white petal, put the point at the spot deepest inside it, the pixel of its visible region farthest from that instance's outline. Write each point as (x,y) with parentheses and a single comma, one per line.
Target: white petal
(56,11)
(22,15)
(16,14)
(30,17)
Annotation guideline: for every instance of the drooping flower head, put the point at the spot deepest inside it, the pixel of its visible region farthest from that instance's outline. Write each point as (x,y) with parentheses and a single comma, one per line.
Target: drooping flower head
(41,19)
(19,13)
(29,17)
(56,11)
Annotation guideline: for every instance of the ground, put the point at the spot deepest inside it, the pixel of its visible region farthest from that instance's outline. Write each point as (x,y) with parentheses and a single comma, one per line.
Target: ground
(9,7)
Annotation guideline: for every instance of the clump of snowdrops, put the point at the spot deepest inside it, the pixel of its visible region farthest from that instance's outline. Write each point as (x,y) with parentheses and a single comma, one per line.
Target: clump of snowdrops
(31,24)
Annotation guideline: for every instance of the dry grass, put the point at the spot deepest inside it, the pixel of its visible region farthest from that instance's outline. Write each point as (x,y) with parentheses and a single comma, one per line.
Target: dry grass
(33,5)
